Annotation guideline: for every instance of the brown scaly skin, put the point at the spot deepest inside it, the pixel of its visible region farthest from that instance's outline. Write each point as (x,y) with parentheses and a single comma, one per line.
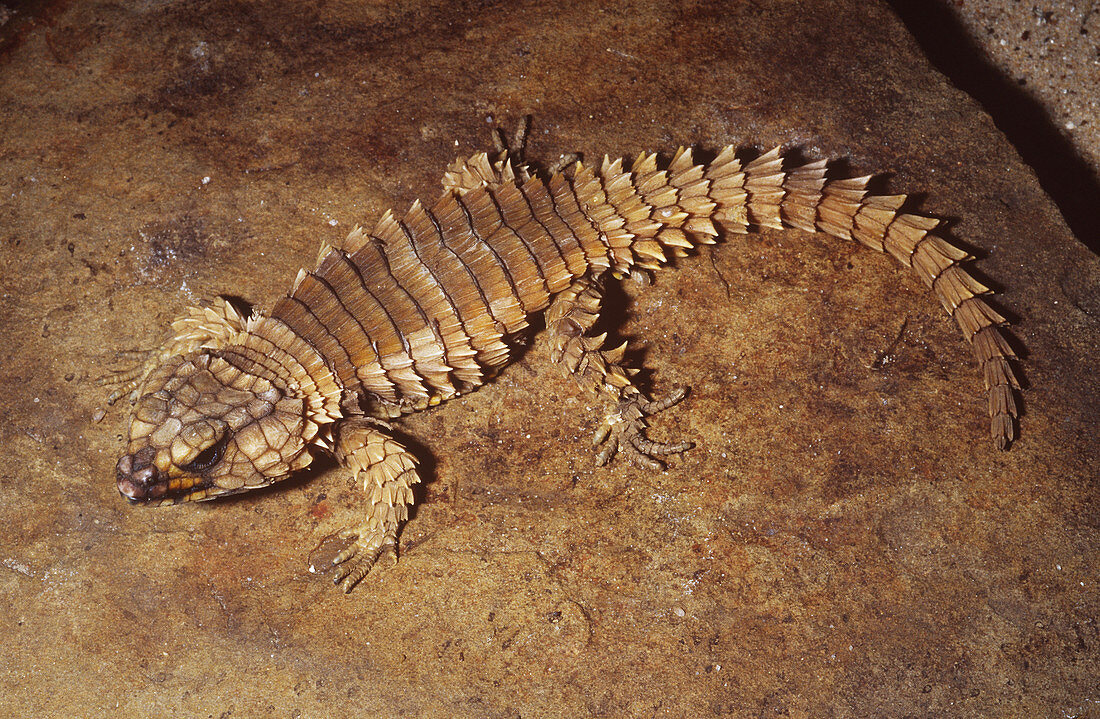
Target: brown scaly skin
(420,309)
(210,430)
(202,426)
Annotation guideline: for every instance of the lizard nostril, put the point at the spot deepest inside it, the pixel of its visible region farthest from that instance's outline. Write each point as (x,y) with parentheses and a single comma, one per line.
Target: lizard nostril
(144,476)
(135,483)
(137,467)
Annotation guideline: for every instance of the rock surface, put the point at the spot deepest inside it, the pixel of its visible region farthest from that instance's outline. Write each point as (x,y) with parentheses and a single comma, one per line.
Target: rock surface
(843,541)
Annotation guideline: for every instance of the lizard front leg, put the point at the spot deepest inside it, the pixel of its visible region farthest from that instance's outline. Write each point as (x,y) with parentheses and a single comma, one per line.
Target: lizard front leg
(570,316)
(388,472)
(210,327)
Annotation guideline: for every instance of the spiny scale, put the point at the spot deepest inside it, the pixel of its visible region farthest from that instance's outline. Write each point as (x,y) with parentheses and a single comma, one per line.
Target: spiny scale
(418,309)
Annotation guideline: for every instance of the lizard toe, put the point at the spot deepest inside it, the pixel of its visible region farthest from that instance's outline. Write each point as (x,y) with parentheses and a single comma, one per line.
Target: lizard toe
(623,431)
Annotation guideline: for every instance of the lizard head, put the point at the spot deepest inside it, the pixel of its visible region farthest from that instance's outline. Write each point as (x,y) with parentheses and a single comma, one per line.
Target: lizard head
(205,428)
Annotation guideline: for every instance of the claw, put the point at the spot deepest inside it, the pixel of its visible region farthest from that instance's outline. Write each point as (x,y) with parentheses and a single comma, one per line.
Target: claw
(362,545)
(602,433)
(647,446)
(624,430)
(126,381)
(516,145)
(659,405)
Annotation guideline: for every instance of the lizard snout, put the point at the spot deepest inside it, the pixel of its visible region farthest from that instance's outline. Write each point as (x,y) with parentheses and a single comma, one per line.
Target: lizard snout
(138,476)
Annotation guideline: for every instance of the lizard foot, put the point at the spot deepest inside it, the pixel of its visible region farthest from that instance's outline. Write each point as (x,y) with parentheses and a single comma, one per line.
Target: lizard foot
(127,380)
(353,552)
(388,472)
(624,431)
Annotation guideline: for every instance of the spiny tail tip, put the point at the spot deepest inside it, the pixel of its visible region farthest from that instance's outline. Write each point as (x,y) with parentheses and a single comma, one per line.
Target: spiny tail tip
(1003,432)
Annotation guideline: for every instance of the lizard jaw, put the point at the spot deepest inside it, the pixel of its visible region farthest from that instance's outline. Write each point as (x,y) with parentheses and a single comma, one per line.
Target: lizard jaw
(142,482)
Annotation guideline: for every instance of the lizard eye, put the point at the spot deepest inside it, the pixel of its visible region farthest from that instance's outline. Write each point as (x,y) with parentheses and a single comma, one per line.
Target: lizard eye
(208,457)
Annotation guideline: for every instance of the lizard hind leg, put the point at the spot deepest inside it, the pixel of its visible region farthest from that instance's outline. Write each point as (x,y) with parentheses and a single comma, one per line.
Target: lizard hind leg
(514,148)
(387,471)
(623,431)
(506,165)
(569,318)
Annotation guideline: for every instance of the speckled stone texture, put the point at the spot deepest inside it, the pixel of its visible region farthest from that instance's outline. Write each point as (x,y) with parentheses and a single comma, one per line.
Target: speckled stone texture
(843,541)
(1052,51)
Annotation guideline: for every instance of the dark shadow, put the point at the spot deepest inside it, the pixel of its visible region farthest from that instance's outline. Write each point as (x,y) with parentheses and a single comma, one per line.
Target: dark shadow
(1064,175)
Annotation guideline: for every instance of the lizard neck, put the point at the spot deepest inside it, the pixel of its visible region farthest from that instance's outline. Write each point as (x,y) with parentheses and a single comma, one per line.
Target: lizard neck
(269,349)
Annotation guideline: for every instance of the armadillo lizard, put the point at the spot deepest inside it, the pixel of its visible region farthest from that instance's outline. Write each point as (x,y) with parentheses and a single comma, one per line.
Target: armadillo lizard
(421,308)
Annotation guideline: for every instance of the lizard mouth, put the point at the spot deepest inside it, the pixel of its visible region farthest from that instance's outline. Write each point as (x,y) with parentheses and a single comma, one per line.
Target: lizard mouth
(142,483)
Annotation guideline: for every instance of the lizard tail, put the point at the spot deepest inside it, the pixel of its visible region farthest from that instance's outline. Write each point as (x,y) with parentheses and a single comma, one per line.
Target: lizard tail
(643,211)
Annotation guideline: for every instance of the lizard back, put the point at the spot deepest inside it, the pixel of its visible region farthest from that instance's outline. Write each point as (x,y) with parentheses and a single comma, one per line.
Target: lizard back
(419,309)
